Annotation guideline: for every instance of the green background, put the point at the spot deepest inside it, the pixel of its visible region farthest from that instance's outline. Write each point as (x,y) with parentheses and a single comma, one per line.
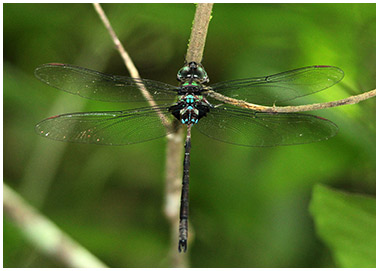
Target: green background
(249,206)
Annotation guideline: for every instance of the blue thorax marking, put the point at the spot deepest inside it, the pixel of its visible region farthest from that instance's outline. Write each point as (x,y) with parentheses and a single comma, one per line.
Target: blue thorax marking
(190,99)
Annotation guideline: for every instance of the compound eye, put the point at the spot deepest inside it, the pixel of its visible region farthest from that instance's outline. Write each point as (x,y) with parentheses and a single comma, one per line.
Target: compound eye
(183,73)
(201,74)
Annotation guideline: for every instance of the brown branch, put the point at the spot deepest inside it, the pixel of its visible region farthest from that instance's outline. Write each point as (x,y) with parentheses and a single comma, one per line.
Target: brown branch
(174,149)
(289,109)
(120,48)
(129,64)
(174,153)
(44,234)
(199,32)
(174,158)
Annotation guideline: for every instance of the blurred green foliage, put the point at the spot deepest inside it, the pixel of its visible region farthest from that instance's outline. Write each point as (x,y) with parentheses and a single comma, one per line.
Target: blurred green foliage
(249,206)
(346,222)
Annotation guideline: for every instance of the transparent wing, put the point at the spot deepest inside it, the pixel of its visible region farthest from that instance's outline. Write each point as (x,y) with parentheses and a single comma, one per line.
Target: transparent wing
(282,87)
(246,128)
(106,128)
(103,87)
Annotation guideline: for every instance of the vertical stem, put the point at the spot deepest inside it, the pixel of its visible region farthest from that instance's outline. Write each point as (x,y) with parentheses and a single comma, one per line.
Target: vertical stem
(174,156)
(199,32)
(174,149)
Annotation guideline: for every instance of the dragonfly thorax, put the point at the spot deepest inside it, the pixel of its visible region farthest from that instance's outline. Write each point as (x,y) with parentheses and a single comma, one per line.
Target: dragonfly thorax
(189,109)
(192,88)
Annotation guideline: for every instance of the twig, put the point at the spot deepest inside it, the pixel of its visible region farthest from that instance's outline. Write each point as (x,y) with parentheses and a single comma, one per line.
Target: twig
(174,157)
(45,235)
(125,56)
(129,64)
(174,153)
(199,32)
(175,149)
(288,109)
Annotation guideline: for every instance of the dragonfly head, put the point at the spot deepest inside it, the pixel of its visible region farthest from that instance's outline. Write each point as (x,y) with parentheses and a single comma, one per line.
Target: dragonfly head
(193,71)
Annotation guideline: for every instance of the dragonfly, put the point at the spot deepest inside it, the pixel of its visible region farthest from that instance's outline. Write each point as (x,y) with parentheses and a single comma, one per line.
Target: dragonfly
(190,104)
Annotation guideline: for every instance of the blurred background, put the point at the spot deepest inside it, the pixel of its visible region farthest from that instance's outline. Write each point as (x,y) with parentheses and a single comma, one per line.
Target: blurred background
(248,206)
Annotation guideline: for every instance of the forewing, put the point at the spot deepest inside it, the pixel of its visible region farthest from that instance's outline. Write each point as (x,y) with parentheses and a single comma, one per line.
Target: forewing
(103,87)
(246,128)
(280,88)
(106,128)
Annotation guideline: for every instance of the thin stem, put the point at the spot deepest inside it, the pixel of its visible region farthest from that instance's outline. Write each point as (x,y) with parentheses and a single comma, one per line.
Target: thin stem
(289,109)
(120,48)
(174,156)
(174,152)
(174,149)
(199,32)
(47,237)
(129,63)
(173,184)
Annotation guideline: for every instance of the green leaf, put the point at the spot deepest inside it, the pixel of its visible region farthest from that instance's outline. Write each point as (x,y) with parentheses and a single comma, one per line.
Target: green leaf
(346,224)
